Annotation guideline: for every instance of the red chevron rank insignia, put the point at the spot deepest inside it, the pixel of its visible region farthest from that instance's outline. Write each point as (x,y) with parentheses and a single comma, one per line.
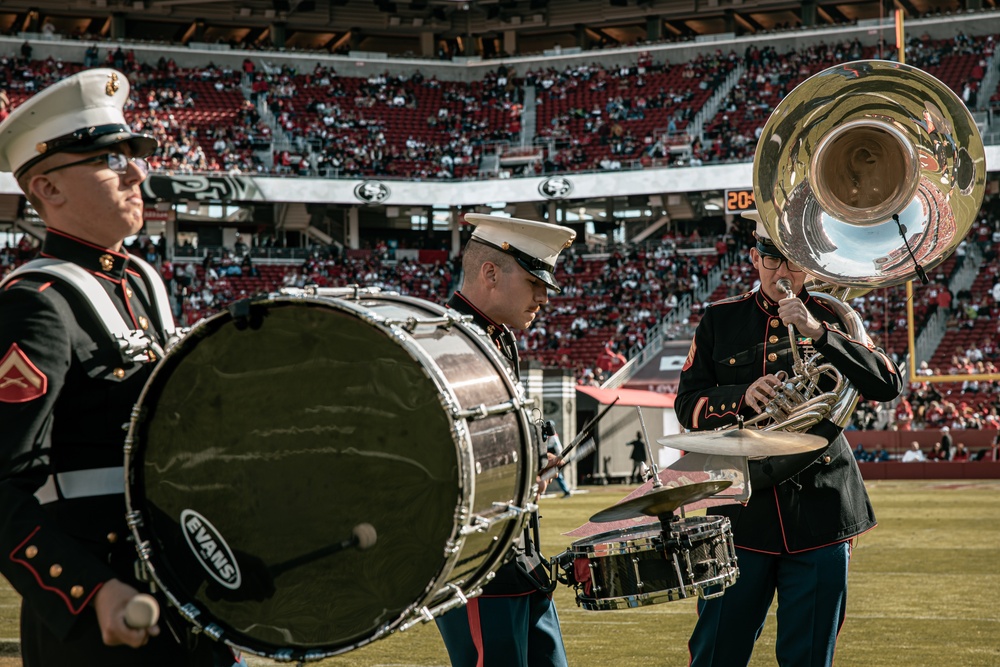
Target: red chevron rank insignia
(20,380)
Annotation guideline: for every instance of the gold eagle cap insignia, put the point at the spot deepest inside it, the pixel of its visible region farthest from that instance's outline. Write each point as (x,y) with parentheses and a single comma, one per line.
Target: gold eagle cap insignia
(112,85)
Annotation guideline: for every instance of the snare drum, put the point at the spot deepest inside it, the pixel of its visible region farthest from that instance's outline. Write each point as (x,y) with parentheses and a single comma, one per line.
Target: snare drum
(642,566)
(272,433)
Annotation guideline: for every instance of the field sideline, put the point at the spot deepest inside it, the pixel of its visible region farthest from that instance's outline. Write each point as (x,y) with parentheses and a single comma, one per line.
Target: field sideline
(923,592)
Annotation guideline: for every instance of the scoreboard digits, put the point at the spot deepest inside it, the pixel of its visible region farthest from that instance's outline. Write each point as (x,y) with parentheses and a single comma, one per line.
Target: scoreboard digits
(740,200)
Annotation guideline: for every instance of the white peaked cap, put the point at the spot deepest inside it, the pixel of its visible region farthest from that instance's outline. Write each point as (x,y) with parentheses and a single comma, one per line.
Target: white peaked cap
(760,231)
(81,113)
(535,245)
(764,243)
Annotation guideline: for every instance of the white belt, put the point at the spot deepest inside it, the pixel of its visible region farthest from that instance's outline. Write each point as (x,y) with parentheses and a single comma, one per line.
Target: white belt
(82,484)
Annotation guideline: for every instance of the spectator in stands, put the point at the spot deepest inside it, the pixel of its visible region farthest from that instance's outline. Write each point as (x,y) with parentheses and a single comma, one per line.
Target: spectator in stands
(91,56)
(946,441)
(904,415)
(961,453)
(82,169)
(937,453)
(785,529)
(509,267)
(914,453)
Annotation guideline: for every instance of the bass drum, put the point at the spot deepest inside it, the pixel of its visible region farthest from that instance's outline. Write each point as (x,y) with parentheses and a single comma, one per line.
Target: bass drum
(308,473)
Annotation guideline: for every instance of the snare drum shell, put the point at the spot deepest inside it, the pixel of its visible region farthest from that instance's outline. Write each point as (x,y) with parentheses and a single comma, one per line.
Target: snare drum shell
(263,440)
(643,566)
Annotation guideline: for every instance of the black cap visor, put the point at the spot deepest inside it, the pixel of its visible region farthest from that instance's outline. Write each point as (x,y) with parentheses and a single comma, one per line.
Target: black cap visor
(94,139)
(544,275)
(767,248)
(529,263)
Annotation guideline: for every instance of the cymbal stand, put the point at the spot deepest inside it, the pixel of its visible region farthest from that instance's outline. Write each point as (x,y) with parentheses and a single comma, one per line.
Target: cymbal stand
(649,452)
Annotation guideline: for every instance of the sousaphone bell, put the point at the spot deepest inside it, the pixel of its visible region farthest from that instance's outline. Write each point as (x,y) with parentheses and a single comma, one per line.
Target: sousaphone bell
(867,171)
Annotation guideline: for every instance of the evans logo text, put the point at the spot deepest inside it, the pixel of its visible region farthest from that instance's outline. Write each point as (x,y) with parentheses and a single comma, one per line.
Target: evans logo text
(210,549)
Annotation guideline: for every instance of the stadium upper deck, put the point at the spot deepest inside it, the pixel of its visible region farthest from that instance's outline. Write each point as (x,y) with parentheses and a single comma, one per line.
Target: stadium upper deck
(649,181)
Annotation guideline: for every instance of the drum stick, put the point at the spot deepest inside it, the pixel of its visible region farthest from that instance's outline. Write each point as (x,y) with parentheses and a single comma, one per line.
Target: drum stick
(587,449)
(549,472)
(142,612)
(587,428)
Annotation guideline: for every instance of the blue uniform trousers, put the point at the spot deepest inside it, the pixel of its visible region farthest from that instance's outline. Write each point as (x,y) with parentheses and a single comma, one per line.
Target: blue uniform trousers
(812,602)
(504,631)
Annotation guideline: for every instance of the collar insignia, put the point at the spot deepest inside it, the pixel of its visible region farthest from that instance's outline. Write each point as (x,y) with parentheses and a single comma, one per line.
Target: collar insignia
(490,329)
(107,262)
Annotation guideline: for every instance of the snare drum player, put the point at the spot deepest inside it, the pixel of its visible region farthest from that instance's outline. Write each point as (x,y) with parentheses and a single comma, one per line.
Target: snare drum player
(794,535)
(508,268)
(67,384)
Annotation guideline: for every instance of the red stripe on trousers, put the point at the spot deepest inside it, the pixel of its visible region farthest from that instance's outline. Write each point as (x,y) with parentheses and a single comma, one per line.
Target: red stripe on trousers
(476,629)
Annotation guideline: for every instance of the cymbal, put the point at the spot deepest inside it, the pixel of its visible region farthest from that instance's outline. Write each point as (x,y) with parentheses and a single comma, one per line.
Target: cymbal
(745,442)
(663,500)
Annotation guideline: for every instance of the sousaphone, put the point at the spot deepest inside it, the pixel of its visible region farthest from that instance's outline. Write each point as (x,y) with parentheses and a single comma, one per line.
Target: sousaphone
(867,170)
(866,175)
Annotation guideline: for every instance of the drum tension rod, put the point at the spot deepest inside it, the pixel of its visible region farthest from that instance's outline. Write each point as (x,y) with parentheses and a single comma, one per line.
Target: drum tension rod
(481,411)
(411,323)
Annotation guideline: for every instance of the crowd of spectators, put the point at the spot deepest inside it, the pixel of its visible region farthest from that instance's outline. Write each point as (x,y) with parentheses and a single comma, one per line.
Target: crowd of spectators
(599,118)
(590,117)
(390,125)
(638,286)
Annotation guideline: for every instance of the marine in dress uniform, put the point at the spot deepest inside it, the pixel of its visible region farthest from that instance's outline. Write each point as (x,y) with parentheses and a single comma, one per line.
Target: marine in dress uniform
(513,623)
(68,385)
(793,535)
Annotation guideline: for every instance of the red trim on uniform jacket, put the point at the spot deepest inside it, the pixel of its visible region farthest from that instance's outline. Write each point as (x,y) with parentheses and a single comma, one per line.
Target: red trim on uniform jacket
(484,315)
(128,303)
(69,603)
(698,407)
(96,274)
(781,522)
(87,243)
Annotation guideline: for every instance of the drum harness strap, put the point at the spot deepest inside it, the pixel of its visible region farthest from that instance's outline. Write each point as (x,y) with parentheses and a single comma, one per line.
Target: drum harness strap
(133,344)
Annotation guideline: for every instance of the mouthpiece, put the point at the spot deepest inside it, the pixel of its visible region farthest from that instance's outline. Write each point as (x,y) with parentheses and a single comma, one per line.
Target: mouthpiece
(785,285)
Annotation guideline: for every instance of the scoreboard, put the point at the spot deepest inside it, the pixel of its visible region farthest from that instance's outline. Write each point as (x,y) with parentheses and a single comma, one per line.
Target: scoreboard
(739,200)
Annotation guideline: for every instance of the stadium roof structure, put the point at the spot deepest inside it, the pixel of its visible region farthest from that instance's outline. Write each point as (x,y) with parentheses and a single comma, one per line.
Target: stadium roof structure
(486,27)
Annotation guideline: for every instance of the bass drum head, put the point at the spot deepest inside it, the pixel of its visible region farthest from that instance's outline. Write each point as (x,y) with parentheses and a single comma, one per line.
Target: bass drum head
(262,443)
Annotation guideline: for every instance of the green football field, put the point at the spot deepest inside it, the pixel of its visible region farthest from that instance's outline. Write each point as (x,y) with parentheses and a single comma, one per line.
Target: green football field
(923,592)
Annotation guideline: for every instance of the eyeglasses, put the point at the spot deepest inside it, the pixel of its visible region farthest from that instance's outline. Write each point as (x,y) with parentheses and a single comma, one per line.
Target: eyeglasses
(117,162)
(772,263)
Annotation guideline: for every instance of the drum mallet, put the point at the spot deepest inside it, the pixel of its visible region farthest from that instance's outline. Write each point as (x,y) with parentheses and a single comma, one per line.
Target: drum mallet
(142,612)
